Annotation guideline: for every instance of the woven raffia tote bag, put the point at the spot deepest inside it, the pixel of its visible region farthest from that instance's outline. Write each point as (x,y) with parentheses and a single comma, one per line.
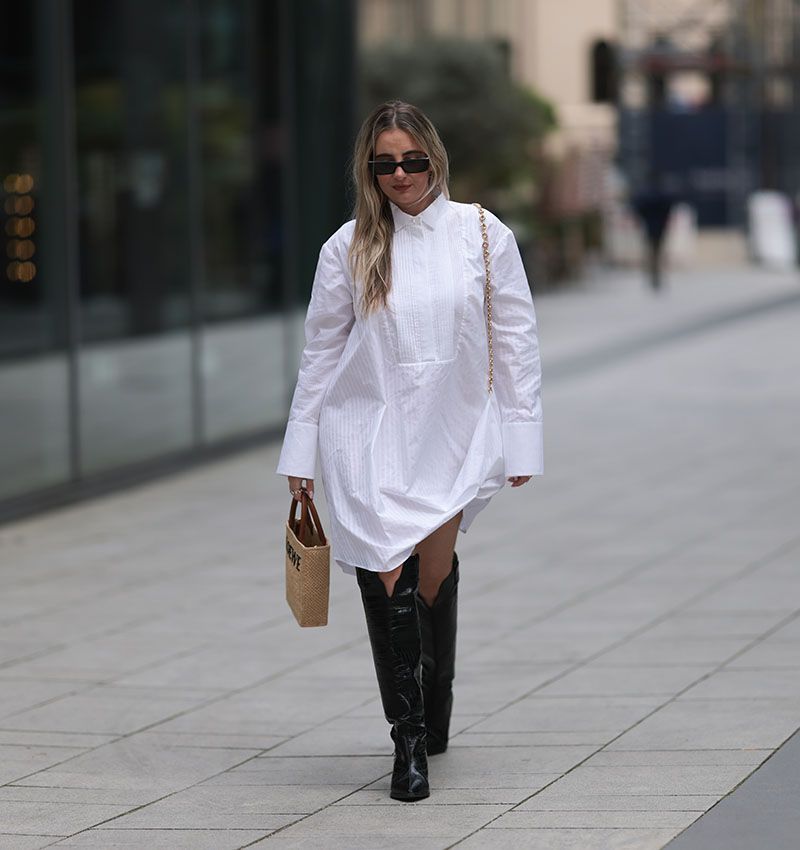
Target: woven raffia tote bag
(308,556)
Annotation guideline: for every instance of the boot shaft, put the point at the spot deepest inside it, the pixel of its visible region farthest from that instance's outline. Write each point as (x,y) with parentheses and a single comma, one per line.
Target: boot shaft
(393,629)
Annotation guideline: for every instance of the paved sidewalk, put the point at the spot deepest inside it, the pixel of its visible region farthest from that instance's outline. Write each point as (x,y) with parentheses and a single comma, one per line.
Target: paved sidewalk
(629,642)
(761,812)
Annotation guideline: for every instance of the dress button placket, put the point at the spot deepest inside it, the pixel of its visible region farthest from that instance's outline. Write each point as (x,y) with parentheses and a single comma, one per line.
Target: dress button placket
(428,343)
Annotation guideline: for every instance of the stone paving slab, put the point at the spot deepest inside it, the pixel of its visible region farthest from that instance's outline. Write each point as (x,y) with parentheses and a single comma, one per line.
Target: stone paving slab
(376,822)
(762,812)
(163,839)
(622,665)
(608,838)
(554,799)
(61,818)
(526,820)
(13,841)
(714,724)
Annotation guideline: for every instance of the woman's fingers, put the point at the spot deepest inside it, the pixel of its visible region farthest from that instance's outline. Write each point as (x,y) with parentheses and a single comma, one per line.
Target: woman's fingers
(296,485)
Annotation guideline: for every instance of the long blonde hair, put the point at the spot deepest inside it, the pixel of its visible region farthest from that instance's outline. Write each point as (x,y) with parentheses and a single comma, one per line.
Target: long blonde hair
(370,253)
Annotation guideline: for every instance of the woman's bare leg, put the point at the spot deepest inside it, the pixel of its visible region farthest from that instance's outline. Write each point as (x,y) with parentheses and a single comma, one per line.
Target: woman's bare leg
(389,579)
(436,558)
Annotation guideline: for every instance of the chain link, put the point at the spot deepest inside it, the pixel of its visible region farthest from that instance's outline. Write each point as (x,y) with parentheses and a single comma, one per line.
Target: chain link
(487,291)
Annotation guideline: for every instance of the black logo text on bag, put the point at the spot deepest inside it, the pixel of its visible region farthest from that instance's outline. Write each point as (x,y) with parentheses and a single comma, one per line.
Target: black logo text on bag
(293,556)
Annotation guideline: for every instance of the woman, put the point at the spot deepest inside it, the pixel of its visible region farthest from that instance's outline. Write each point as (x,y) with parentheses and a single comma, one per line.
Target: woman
(416,431)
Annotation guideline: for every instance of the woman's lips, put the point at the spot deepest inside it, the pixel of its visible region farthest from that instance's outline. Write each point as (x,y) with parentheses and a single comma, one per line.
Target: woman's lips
(402,188)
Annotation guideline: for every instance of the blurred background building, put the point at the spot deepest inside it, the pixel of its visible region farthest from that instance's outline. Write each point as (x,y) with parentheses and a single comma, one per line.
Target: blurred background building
(168,171)
(708,103)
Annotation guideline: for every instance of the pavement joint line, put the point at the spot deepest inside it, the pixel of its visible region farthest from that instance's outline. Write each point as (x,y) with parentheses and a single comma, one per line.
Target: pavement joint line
(590,501)
(610,353)
(750,568)
(190,651)
(133,554)
(735,787)
(734,578)
(43,703)
(648,564)
(596,590)
(117,589)
(30,657)
(347,645)
(736,476)
(211,701)
(278,620)
(754,566)
(786,547)
(228,769)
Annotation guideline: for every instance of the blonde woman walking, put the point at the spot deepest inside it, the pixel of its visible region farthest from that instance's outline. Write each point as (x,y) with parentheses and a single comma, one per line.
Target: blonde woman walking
(421,409)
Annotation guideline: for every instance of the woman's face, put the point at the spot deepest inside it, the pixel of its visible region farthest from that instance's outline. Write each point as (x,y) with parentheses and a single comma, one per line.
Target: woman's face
(405,190)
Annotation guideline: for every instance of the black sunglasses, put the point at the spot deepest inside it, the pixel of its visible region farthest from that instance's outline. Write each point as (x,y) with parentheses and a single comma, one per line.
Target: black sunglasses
(410,166)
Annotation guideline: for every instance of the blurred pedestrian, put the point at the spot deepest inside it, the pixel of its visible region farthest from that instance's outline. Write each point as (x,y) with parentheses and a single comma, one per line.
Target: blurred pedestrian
(420,410)
(654,207)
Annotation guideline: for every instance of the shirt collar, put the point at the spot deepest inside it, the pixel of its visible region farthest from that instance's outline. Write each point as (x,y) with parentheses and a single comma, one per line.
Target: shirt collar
(429,216)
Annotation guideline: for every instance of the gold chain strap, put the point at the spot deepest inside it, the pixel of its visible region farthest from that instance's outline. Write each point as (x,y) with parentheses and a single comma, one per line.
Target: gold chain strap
(487,291)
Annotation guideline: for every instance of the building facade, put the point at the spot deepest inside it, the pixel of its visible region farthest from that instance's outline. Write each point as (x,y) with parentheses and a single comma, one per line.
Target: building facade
(549,45)
(168,170)
(708,101)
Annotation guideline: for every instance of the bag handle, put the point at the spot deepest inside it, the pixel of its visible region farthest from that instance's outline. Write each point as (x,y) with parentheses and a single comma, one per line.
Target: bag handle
(306,520)
(487,291)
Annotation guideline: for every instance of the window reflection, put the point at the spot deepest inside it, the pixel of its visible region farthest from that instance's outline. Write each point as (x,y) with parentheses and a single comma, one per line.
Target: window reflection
(240,139)
(240,132)
(143,155)
(131,137)
(34,432)
(131,109)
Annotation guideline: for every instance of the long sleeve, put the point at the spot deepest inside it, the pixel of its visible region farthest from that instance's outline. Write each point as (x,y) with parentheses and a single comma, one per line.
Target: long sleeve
(517,367)
(328,323)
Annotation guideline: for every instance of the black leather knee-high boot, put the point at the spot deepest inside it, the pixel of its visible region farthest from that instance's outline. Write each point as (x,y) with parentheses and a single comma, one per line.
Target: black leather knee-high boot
(393,628)
(438,633)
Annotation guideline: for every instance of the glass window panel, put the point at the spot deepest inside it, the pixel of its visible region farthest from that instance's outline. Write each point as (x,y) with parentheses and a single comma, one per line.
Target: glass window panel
(240,138)
(135,399)
(243,374)
(135,305)
(241,161)
(34,432)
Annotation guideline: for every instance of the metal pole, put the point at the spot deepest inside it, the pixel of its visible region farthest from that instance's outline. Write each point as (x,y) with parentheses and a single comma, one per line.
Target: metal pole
(197,260)
(289,187)
(57,27)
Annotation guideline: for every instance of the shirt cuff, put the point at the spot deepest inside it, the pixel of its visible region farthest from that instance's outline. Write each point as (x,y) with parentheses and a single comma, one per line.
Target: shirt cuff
(299,453)
(523,450)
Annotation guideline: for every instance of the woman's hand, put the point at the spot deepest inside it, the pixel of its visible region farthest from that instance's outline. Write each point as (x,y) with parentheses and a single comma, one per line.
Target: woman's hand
(295,485)
(519,480)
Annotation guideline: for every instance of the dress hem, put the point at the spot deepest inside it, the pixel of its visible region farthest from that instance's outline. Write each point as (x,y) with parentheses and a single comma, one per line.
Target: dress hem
(471,510)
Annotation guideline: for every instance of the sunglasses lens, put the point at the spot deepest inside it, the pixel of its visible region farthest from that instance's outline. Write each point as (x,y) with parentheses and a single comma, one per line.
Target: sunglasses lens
(410,166)
(415,166)
(382,166)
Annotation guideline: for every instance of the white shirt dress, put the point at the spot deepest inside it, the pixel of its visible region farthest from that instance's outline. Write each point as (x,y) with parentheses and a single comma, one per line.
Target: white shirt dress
(398,403)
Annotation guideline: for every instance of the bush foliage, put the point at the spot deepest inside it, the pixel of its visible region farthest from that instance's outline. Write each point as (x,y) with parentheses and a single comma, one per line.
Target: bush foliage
(490,125)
